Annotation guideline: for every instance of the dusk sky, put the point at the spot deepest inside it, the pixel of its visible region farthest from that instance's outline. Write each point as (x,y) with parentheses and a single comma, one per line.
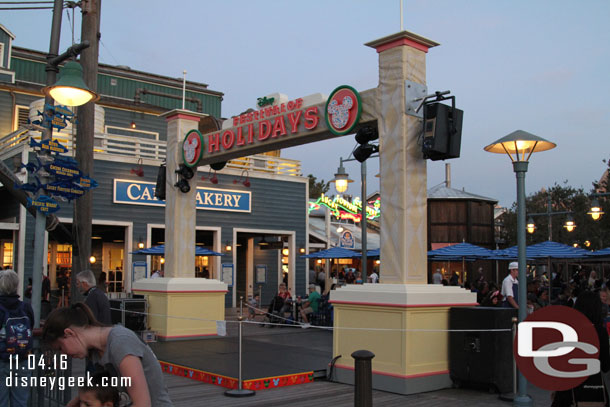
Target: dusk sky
(540,66)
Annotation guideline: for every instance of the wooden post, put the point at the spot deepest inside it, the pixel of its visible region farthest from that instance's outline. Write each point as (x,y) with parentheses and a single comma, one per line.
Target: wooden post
(81,224)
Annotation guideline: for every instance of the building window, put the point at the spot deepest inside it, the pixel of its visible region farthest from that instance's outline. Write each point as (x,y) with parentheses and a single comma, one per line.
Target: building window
(2,65)
(21,116)
(7,254)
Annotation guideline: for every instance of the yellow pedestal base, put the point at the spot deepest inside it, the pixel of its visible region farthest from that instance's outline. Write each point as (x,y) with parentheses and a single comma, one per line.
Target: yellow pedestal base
(183,308)
(404,326)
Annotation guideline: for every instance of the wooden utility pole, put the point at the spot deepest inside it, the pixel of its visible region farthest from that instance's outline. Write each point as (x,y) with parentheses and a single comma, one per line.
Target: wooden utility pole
(81,224)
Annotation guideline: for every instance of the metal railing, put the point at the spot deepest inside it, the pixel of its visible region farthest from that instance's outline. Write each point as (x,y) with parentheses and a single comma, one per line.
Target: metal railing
(45,395)
(109,146)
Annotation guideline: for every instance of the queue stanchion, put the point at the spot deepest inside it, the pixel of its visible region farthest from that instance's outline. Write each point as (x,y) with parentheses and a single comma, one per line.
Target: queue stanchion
(240,391)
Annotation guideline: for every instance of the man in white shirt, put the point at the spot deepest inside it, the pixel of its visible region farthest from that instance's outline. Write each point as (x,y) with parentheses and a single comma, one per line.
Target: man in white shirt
(374,277)
(510,286)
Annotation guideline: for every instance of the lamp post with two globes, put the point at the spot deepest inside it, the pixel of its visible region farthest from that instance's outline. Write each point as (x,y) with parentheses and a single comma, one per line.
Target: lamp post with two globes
(520,145)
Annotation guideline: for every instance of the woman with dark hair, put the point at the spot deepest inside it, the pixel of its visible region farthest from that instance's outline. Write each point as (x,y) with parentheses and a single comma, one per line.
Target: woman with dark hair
(75,332)
(590,305)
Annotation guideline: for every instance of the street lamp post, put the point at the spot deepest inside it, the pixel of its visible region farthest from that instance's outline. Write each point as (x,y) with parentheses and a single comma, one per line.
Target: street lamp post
(341,182)
(569,225)
(51,92)
(521,143)
(549,213)
(363,259)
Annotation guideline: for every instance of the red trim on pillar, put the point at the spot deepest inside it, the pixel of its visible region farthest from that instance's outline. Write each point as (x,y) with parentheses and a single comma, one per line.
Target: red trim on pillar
(183,116)
(402,41)
(378,304)
(180,291)
(184,336)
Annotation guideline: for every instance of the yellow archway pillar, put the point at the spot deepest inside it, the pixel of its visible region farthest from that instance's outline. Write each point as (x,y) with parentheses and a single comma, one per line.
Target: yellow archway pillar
(180,305)
(402,320)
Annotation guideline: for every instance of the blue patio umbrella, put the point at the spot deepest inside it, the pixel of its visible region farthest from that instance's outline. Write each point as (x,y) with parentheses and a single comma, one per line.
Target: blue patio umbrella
(546,249)
(160,250)
(460,251)
(601,253)
(373,253)
(332,253)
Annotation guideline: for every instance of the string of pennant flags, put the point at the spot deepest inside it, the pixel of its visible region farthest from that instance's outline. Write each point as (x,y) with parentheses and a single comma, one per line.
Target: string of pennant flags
(67,181)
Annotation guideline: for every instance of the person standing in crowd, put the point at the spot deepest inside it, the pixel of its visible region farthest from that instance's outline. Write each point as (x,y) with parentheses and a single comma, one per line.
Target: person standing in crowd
(254,304)
(480,277)
(590,305)
(437,277)
(321,280)
(510,286)
(350,278)
(312,275)
(374,277)
(95,299)
(21,317)
(75,332)
(101,282)
(592,279)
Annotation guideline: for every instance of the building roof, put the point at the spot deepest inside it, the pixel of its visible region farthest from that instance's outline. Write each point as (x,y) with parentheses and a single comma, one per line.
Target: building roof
(10,34)
(441,191)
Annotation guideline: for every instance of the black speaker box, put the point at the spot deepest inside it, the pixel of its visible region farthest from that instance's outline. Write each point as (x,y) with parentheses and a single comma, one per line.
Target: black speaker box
(442,132)
(129,312)
(483,358)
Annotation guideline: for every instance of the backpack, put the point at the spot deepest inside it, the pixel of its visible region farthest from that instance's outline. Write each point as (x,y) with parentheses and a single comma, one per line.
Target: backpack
(15,332)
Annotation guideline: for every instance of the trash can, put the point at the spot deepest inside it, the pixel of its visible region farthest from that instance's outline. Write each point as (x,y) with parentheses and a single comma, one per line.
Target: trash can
(483,358)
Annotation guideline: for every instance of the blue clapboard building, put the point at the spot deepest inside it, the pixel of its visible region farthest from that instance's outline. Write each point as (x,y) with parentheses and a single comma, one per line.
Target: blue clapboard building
(253,211)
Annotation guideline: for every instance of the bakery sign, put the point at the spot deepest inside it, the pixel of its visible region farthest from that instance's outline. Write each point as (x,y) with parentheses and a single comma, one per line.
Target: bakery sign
(284,124)
(133,192)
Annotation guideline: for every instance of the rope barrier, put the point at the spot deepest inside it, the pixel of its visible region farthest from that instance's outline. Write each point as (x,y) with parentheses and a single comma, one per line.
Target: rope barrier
(303,325)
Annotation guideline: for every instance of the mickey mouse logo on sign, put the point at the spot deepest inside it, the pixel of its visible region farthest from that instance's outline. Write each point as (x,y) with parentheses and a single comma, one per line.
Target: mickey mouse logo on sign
(343,110)
(192,148)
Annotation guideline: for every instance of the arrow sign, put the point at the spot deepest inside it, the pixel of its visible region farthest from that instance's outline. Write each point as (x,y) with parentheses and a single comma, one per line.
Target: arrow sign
(49,145)
(85,182)
(65,189)
(63,171)
(44,204)
(64,111)
(58,122)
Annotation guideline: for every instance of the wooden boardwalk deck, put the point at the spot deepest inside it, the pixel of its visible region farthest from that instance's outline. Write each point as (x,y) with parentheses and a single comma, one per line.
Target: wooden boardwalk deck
(186,393)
